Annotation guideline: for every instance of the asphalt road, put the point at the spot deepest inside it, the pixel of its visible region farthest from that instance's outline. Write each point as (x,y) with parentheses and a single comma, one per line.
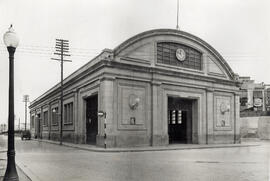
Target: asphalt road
(45,161)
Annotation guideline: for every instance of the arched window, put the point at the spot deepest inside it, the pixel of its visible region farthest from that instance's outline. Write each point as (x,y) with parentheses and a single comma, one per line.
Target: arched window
(189,57)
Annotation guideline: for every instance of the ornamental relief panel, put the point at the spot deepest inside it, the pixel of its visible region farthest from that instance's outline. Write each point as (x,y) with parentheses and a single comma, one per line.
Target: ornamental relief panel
(223,113)
(132,111)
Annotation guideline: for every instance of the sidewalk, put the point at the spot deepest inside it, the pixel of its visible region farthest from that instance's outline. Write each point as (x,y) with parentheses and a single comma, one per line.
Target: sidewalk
(150,148)
(44,160)
(21,174)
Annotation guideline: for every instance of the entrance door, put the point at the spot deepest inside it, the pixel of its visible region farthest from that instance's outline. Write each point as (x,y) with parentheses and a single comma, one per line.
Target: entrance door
(179,120)
(91,119)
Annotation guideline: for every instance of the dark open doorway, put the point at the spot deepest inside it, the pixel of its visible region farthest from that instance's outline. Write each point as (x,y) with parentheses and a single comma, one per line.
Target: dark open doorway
(38,126)
(91,119)
(179,120)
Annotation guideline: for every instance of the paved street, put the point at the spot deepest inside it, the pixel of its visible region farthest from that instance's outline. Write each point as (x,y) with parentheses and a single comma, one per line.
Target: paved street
(45,161)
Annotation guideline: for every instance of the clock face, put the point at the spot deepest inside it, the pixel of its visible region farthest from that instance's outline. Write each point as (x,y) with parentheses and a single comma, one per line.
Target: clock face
(180,54)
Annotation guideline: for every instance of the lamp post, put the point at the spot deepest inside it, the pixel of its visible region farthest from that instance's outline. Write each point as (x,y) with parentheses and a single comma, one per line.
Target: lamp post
(11,41)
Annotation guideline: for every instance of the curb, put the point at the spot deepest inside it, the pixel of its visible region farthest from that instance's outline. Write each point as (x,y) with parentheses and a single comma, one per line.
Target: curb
(138,149)
(27,172)
(21,170)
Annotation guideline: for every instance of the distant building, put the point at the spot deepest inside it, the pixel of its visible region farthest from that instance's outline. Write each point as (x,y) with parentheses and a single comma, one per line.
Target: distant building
(3,128)
(159,87)
(254,96)
(267,100)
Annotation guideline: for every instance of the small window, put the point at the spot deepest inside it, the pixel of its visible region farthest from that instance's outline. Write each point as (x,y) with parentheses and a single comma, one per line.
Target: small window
(68,113)
(243,101)
(179,119)
(32,121)
(55,116)
(45,118)
(173,116)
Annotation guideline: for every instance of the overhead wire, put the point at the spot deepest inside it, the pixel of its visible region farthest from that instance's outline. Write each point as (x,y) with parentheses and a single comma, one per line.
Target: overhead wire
(46,51)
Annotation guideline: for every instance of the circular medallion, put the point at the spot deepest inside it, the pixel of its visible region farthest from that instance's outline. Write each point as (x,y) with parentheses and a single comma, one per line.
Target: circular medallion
(224,108)
(180,54)
(133,101)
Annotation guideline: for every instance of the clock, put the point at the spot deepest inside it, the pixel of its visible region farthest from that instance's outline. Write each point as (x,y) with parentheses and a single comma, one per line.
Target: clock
(180,54)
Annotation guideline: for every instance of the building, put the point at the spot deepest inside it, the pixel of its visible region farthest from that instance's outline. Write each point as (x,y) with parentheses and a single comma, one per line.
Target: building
(159,87)
(254,97)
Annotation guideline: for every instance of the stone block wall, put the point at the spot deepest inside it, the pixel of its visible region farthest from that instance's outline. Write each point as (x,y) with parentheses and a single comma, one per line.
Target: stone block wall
(264,127)
(255,127)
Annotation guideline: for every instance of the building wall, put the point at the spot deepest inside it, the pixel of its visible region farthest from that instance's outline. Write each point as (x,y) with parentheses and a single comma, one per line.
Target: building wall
(133,89)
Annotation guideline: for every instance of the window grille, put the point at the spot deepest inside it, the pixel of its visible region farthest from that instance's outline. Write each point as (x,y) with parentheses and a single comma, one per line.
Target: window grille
(166,54)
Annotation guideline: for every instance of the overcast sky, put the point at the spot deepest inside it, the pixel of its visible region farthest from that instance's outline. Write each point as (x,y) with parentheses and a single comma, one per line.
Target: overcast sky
(238,29)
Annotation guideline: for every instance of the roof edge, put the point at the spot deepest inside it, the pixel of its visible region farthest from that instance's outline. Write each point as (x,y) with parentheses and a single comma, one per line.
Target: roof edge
(155,32)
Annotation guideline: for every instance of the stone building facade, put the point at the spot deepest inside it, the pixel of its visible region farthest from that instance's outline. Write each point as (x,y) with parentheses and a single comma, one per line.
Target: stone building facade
(159,87)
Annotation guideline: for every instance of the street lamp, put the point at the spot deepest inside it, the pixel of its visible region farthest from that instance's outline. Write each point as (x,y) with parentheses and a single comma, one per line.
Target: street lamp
(11,40)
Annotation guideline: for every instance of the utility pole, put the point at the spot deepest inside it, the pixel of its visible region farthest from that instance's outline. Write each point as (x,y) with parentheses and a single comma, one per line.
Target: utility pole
(25,100)
(177,18)
(62,50)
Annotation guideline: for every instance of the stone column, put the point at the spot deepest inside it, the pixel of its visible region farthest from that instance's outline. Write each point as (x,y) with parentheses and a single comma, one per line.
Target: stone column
(210,116)
(76,117)
(159,137)
(49,120)
(237,117)
(106,104)
(263,100)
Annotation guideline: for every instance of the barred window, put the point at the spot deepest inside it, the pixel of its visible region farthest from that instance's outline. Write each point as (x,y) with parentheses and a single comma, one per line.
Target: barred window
(175,117)
(55,116)
(166,54)
(68,113)
(45,118)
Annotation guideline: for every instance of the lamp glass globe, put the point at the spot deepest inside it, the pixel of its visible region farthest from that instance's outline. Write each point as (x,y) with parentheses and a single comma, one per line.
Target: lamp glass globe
(10,38)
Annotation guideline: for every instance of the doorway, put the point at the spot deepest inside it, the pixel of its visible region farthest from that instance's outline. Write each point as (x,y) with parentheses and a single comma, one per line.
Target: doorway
(179,120)
(91,119)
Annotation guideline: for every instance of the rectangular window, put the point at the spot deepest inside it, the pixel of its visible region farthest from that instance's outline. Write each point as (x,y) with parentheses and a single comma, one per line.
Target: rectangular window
(55,116)
(179,120)
(257,94)
(173,116)
(32,121)
(243,101)
(68,113)
(45,118)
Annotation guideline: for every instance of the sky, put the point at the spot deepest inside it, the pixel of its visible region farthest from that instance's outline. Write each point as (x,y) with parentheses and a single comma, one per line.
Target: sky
(238,29)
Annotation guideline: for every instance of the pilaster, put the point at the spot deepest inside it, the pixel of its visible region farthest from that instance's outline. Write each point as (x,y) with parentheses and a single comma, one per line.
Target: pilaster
(158,134)
(237,117)
(210,116)
(106,102)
